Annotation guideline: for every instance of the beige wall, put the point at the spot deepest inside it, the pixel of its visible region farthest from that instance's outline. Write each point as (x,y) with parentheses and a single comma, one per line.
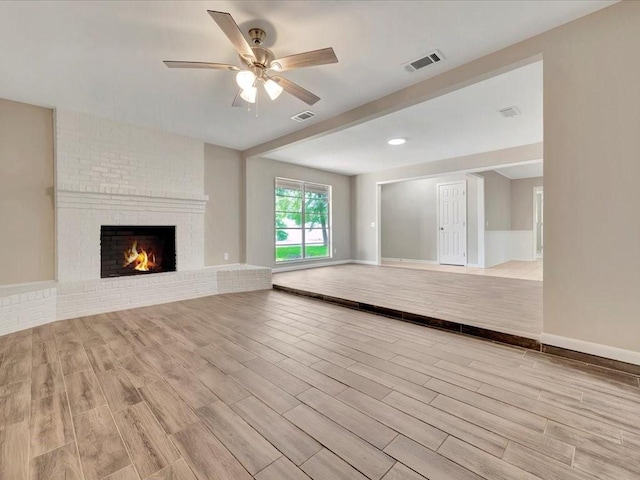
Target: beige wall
(592,201)
(27,249)
(522,202)
(497,201)
(224,222)
(261,174)
(409,218)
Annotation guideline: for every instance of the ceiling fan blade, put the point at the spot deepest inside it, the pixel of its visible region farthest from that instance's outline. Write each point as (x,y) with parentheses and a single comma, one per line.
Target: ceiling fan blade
(306,59)
(215,66)
(296,90)
(230,28)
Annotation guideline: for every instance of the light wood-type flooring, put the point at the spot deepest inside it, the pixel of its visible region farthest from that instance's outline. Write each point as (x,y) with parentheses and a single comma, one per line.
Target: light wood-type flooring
(272,386)
(501,304)
(513,269)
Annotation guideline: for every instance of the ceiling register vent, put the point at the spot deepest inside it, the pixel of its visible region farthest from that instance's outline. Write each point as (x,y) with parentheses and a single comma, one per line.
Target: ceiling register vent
(302,116)
(509,112)
(429,59)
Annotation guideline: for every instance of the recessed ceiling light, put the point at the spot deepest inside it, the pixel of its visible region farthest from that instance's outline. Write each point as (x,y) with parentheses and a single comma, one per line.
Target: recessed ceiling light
(397,141)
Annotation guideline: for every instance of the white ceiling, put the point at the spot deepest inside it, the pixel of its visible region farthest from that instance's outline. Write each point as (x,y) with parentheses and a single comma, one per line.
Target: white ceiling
(105,57)
(459,123)
(528,170)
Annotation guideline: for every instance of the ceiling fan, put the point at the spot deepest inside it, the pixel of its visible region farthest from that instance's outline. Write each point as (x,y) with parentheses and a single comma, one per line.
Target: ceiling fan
(258,61)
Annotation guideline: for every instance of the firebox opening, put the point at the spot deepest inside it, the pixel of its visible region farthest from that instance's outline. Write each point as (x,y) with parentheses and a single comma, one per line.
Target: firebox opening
(136,250)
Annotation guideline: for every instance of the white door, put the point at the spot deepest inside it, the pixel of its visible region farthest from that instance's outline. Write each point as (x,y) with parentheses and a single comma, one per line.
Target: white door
(452,223)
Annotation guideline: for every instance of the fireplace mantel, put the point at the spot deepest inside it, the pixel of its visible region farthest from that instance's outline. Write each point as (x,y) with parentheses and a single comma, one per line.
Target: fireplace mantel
(114,192)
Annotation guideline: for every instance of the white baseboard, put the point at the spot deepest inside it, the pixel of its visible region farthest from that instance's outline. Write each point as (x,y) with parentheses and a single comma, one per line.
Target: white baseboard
(304,266)
(364,262)
(628,356)
(409,260)
(474,265)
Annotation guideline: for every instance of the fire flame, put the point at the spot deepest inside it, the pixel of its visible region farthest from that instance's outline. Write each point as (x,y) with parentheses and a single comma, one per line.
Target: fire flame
(142,260)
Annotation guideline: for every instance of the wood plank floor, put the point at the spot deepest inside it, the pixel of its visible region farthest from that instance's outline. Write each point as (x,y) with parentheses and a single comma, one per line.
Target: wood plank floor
(272,386)
(513,269)
(500,304)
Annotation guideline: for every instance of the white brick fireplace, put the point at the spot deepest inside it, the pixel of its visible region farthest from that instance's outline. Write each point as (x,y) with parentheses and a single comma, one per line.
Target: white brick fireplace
(108,173)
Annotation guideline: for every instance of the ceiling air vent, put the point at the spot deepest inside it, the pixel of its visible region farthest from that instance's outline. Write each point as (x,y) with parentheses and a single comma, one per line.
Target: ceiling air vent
(303,116)
(509,112)
(424,61)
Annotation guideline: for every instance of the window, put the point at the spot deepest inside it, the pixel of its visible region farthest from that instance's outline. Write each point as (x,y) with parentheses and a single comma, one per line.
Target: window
(303,223)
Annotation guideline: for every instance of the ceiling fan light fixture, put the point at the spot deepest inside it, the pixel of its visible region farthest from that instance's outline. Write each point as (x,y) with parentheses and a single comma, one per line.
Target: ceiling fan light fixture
(257,60)
(245,79)
(397,141)
(249,94)
(273,89)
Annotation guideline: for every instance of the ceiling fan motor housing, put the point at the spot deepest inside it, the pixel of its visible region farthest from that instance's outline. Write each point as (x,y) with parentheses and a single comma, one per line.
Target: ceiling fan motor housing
(262,59)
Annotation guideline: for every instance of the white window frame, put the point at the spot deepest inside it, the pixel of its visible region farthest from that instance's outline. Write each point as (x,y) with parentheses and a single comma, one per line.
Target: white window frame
(303,229)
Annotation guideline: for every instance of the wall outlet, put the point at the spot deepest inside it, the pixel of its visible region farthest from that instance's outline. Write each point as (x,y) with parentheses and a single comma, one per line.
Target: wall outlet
(335,250)
(487,223)
(226,256)
(373,224)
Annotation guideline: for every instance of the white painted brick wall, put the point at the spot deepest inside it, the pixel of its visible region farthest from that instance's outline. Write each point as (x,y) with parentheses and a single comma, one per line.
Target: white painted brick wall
(27,306)
(243,278)
(109,173)
(76,299)
(31,305)
(104,154)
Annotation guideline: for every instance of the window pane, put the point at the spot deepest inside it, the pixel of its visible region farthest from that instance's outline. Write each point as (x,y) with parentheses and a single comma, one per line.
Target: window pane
(315,251)
(315,189)
(288,236)
(288,252)
(288,194)
(288,204)
(313,220)
(288,220)
(316,206)
(317,235)
(288,188)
